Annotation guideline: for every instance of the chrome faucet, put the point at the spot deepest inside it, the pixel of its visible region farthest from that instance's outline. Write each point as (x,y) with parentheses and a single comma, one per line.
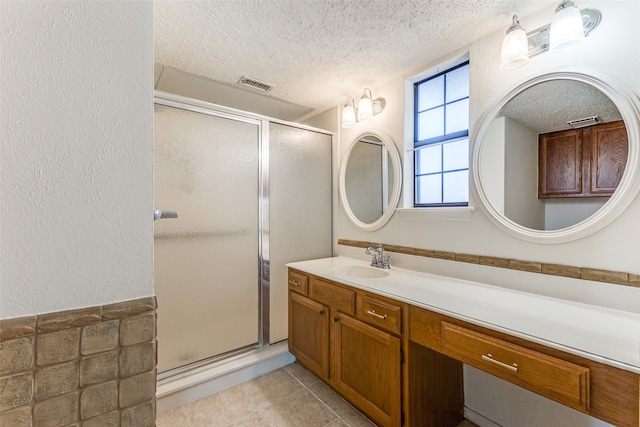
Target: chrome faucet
(379,260)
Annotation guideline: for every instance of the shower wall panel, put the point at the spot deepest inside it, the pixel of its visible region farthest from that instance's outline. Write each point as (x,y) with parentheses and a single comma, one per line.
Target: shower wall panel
(300,210)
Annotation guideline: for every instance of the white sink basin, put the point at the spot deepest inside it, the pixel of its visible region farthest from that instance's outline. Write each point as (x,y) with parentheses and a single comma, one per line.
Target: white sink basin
(359,271)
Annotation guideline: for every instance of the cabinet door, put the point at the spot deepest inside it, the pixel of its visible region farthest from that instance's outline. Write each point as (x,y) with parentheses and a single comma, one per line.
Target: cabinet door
(609,147)
(560,164)
(309,334)
(365,368)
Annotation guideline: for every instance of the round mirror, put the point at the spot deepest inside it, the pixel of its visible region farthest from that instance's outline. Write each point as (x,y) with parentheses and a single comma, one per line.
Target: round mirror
(370,180)
(557,157)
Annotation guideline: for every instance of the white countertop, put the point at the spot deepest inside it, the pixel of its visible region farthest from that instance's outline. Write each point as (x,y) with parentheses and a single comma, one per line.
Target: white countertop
(602,334)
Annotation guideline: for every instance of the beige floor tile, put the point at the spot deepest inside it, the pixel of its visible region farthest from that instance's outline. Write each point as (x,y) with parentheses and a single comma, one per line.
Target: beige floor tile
(337,423)
(298,409)
(288,397)
(219,409)
(356,419)
(253,420)
(270,388)
(302,374)
(331,398)
(175,418)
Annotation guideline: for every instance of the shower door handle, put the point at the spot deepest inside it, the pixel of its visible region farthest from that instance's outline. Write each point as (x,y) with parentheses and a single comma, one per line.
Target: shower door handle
(158,214)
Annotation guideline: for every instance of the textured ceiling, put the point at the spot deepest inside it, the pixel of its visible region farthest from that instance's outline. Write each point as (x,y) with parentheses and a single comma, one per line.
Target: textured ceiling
(316,52)
(548,106)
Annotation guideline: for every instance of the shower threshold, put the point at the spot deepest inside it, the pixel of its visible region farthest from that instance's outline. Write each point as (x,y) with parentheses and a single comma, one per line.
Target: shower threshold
(189,383)
(208,361)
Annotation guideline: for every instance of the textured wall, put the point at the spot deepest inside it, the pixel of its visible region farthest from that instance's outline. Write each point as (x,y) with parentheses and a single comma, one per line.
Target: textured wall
(76,83)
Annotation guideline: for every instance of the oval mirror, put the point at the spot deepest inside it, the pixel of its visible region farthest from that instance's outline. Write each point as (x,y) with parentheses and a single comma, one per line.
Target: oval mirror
(370,180)
(557,157)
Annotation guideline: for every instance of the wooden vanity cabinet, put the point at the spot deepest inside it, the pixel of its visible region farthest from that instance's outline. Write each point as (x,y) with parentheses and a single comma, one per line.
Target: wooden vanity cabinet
(389,358)
(587,162)
(357,354)
(309,333)
(365,368)
(602,391)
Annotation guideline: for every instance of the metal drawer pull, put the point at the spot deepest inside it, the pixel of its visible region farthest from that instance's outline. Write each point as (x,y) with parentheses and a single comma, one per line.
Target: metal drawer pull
(373,313)
(489,358)
(294,283)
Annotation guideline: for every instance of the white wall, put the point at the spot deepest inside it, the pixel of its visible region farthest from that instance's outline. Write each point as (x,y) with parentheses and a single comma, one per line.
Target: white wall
(521,166)
(493,160)
(560,213)
(614,49)
(76,158)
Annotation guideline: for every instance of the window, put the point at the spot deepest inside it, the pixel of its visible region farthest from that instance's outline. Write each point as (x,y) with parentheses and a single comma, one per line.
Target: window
(441,139)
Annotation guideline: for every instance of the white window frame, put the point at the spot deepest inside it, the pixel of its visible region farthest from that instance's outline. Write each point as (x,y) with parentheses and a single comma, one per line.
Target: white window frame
(408,211)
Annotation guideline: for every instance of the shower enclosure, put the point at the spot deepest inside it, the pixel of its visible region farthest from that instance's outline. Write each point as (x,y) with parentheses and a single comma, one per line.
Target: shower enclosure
(252,194)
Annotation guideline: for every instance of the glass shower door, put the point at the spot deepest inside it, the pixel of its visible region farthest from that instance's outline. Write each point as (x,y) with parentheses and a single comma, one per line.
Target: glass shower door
(206,167)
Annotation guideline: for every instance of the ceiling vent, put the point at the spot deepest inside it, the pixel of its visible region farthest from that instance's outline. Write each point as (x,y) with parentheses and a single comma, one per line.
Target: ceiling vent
(583,123)
(255,84)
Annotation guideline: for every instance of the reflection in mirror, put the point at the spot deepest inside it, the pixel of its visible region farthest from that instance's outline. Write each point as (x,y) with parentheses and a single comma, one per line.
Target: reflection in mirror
(368,179)
(544,174)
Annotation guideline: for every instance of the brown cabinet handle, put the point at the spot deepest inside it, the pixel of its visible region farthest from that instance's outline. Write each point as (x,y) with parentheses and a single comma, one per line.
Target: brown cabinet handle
(379,316)
(321,312)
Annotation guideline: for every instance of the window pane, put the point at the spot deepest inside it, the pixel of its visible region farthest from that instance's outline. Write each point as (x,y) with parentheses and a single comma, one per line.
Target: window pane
(456,187)
(458,84)
(431,123)
(429,189)
(431,93)
(455,155)
(429,160)
(441,168)
(458,116)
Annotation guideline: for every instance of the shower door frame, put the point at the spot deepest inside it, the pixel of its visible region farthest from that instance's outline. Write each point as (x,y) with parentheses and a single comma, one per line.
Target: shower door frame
(203,107)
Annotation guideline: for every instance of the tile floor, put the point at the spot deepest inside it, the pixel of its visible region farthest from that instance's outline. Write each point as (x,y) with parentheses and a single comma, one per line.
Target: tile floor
(288,397)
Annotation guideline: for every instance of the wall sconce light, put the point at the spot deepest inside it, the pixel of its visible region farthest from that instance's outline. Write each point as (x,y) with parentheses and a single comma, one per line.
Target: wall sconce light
(367,108)
(568,27)
(515,46)
(349,114)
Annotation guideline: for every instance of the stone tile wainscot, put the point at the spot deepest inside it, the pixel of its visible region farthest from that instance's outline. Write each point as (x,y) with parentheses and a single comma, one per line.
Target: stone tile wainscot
(89,367)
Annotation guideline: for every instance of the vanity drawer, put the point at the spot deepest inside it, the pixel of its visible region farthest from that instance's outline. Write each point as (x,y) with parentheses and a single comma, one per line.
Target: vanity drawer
(334,296)
(554,378)
(382,314)
(298,282)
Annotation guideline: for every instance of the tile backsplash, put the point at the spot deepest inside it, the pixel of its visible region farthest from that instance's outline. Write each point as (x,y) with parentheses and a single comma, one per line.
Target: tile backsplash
(585,273)
(94,366)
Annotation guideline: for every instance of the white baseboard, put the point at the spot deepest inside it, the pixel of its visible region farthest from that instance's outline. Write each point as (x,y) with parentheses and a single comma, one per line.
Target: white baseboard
(182,389)
(478,419)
